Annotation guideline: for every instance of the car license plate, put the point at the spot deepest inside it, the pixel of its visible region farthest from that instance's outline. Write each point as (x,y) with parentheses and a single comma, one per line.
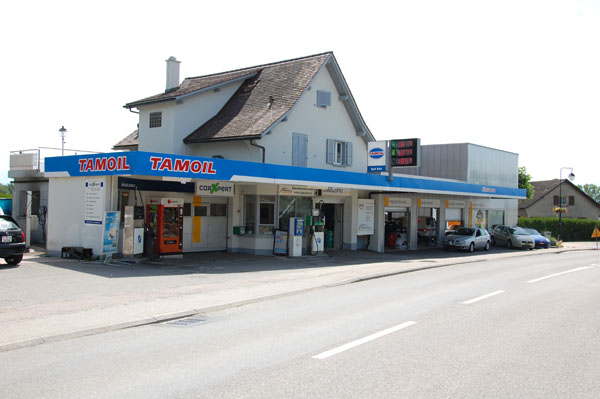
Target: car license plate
(6,238)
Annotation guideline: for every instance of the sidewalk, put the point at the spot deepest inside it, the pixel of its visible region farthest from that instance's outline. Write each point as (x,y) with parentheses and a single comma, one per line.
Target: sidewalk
(49,299)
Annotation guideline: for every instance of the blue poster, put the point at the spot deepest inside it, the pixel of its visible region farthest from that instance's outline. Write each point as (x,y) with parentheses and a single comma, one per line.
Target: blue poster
(110,233)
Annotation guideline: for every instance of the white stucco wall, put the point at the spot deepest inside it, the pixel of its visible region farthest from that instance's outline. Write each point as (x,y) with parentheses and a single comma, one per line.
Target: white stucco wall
(66,204)
(181,119)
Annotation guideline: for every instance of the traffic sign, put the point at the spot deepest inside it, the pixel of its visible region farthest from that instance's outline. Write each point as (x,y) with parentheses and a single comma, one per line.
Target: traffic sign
(596,233)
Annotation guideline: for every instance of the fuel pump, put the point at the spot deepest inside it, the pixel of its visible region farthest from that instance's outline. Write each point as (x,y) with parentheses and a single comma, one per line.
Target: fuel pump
(317,231)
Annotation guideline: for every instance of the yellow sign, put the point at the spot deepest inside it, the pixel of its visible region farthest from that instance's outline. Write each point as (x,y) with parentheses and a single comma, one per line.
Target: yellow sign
(596,233)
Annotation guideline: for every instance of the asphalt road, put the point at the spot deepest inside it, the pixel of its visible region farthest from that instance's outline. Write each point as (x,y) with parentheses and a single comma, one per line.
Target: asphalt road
(519,327)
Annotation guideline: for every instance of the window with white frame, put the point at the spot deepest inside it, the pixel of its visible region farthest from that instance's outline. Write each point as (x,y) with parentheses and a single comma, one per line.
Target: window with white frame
(262,206)
(339,153)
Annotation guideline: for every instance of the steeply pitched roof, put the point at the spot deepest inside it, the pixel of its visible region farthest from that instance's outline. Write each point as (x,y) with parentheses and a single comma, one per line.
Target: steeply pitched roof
(267,94)
(261,100)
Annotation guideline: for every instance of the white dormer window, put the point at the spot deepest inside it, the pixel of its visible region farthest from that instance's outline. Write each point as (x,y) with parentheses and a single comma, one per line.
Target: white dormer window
(155,119)
(323,99)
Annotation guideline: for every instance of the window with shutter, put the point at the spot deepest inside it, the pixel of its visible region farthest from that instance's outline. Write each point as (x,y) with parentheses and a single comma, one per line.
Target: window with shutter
(299,149)
(323,98)
(556,202)
(571,200)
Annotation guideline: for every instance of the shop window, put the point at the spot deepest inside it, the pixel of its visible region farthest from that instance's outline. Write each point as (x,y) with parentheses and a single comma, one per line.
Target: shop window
(293,207)
(250,213)
(266,214)
(218,210)
(35,203)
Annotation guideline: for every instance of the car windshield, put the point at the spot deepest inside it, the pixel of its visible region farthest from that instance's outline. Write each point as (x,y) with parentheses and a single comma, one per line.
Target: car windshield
(517,231)
(532,232)
(6,224)
(464,231)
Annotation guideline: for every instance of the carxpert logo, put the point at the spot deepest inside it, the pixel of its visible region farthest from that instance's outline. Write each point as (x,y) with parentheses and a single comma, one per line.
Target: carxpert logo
(218,188)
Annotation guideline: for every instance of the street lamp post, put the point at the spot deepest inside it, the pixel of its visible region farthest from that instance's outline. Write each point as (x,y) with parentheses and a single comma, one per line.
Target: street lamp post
(63,133)
(560,208)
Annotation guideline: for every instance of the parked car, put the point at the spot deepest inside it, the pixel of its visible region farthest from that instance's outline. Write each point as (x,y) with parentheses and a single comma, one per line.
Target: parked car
(513,237)
(540,240)
(492,240)
(12,240)
(468,238)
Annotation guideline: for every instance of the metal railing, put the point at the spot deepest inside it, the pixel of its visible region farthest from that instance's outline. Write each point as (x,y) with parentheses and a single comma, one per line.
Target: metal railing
(33,159)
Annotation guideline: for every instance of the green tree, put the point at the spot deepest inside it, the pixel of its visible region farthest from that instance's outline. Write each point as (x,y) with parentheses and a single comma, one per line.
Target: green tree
(592,190)
(524,181)
(6,190)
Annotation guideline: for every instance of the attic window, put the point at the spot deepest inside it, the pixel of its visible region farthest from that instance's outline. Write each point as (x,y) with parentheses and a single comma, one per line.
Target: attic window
(155,119)
(323,98)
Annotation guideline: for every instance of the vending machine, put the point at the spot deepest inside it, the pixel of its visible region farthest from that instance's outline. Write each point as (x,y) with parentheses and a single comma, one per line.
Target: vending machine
(165,224)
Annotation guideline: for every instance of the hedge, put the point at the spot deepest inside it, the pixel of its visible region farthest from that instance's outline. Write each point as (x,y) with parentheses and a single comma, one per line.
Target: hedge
(572,229)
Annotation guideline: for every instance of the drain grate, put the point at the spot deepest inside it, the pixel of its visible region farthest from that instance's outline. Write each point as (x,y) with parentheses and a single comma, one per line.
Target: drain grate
(189,321)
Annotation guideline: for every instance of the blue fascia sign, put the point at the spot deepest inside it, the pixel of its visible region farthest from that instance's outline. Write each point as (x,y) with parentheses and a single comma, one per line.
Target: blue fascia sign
(142,163)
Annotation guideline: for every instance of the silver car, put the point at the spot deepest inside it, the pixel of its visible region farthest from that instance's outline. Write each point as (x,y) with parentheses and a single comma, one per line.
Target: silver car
(513,237)
(469,239)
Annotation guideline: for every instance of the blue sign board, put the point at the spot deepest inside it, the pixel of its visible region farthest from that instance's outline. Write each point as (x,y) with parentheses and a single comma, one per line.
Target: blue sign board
(179,166)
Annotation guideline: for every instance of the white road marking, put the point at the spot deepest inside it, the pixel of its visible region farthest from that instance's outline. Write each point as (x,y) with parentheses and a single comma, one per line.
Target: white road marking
(364,340)
(480,298)
(560,274)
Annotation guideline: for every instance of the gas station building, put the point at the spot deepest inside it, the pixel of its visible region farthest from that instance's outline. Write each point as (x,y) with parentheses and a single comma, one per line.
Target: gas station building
(241,161)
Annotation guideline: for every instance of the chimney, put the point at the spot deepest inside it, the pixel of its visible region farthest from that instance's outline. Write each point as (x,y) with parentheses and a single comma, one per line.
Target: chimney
(172,74)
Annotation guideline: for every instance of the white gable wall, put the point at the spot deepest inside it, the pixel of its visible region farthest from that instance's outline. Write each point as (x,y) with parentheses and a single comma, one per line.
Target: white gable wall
(319,124)
(179,120)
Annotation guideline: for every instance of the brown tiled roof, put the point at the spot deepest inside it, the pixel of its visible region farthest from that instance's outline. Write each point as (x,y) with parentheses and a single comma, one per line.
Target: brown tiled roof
(128,143)
(261,100)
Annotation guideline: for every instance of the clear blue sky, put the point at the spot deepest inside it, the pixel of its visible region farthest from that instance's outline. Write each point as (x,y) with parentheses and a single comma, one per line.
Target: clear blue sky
(521,76)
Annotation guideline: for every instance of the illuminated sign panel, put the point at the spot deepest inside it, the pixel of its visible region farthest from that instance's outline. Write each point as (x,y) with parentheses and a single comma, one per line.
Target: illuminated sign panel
(405,152)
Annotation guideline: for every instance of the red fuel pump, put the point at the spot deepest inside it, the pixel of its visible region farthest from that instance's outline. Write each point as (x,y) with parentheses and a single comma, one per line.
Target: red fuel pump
(165,224)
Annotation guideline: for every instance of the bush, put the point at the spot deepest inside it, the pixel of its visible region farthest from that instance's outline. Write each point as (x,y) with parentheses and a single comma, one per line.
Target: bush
(572,229)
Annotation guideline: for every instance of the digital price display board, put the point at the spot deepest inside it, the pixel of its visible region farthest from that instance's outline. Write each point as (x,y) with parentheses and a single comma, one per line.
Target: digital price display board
(405,152)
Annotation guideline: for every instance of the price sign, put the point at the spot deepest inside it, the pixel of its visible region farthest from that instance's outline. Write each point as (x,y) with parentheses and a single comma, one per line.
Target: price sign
(405,152)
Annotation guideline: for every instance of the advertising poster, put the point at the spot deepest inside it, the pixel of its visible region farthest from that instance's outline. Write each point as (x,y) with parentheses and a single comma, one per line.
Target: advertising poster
(110,232)
(366,217)
(94,202)
(280,244)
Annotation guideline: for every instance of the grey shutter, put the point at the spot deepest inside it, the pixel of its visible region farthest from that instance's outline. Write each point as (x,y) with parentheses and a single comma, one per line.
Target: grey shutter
(323,98)
(348,154)
(556,200)
(329,151)
(299,149)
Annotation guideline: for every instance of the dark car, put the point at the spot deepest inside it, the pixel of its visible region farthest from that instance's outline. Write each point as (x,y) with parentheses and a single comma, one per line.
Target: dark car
(12,240)
(540,240)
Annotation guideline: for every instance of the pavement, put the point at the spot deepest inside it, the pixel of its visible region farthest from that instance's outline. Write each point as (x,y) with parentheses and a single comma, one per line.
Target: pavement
(47,299)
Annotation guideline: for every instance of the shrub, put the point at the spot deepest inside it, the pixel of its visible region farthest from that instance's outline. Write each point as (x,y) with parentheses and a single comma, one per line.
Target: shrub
(572,229)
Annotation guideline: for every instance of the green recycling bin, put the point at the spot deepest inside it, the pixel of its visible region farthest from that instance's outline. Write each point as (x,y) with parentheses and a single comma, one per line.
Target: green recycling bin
(328,239)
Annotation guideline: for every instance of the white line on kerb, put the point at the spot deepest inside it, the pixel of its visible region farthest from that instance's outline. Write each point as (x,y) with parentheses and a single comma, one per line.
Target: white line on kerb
(559,274)
(480,298)
(364,340)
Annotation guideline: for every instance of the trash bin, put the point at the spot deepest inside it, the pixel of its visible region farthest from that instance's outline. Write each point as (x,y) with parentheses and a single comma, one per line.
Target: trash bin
(329,239)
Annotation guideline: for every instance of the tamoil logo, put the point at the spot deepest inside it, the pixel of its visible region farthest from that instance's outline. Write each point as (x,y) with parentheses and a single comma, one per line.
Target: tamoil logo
(376,153)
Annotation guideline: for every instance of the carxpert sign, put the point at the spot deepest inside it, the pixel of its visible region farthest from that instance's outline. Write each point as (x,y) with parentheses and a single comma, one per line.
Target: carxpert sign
(376,160)
(215,189)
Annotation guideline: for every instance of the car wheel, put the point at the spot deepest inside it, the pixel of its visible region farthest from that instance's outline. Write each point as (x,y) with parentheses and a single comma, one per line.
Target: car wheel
(487,246)
(509,244)
(472,247)
(14,259)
